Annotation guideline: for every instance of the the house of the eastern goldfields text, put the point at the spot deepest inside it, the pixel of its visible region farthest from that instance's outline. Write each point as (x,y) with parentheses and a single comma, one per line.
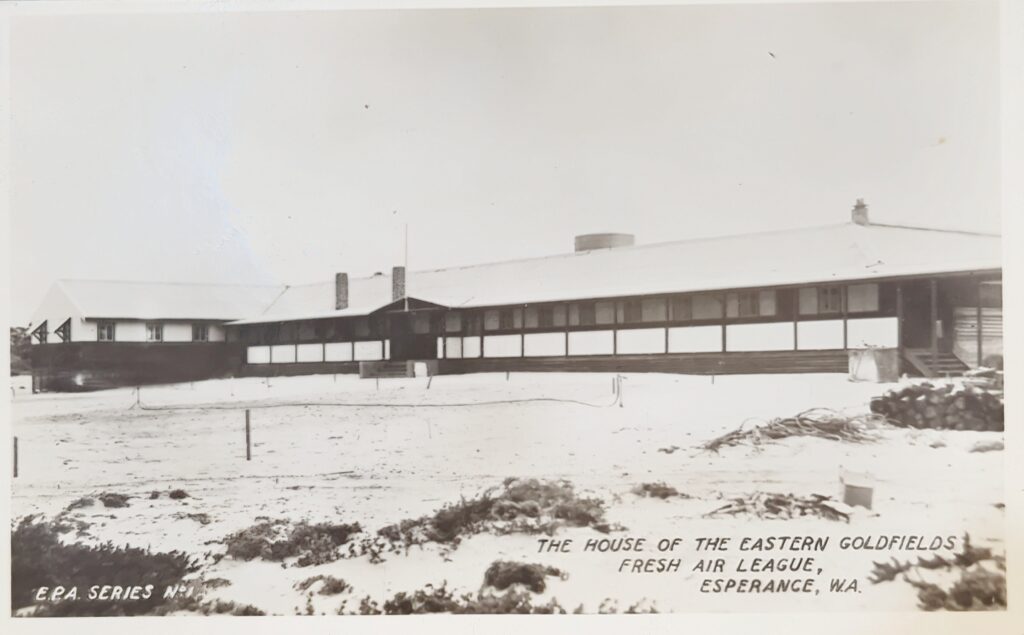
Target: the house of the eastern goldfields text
(786,301)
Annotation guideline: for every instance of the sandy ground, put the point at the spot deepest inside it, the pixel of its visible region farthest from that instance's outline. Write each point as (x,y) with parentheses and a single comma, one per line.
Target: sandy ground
(377,464)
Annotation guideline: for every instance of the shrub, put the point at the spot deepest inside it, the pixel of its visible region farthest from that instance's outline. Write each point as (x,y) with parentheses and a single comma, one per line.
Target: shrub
(440,599)
(331,585)
(114,500)
(656,490)
(39,559)
(178,494)
(277,540)
(85,501)
(521,506)
(501,575)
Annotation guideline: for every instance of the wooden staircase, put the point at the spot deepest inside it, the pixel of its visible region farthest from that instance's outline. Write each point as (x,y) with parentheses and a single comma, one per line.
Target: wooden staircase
(385,370)
(946,363)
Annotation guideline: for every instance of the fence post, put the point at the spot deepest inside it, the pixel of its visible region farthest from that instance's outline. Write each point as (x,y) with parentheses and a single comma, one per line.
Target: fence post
(248,437)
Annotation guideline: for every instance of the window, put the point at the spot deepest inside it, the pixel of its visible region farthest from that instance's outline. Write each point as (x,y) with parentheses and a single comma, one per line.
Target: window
(821,300)
(200,333)
(582,314)
(453,322)
(507,318)
(154,332)
(707,307)
(830,300)
(743,304)
(653,310)
(682,309)
(750,304)
(105,332)
(546,317)
(862,298)
(632,311)
(604,312)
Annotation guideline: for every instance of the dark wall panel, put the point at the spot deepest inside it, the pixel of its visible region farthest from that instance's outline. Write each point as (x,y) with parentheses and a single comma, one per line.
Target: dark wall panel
(693,363)
(77,366)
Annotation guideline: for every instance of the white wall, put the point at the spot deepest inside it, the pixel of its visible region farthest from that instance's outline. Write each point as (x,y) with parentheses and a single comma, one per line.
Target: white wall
(257,355)
(177,332)
(282,354)
(640,341)
(368,351)
(130,331)
(453,347)
(865,332)
(310,353)
(502,346)
(695,339)
(544,344)
(819,335)
(338,352)
(591,343)
(216,333)
(81,331)
(768,336)
(471,347)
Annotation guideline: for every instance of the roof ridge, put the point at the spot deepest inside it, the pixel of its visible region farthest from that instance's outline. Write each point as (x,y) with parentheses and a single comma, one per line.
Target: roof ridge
(587,252)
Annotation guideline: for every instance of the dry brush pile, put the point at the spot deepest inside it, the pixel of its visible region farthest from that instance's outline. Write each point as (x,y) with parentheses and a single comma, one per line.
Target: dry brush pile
(946,406)
(823,423)
(784,507)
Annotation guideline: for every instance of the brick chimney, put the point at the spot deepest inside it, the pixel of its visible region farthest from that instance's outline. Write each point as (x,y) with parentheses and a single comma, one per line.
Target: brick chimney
(859,215)
(340,291)
(397,283)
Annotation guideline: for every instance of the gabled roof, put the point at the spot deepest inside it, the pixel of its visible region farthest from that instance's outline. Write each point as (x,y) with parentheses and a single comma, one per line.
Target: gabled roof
(843,252)
(167,300)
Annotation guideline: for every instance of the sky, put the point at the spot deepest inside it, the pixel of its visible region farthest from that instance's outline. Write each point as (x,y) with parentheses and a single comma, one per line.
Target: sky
(284,147)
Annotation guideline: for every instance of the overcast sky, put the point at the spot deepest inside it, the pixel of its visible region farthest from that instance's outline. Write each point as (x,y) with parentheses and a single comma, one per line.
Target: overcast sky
(283,147)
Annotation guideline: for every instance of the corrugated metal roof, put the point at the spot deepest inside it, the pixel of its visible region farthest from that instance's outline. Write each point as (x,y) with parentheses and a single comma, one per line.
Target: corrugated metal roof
(168,301)
(784,257)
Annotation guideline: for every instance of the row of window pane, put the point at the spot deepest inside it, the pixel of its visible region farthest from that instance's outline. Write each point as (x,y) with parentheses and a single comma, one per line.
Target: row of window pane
(860,298)
(107,332)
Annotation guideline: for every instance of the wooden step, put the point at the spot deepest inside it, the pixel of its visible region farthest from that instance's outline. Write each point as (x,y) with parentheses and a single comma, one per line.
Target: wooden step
(940,365)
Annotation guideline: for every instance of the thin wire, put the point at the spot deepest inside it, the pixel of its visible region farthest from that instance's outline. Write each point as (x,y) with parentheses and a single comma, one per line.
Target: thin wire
(299,404)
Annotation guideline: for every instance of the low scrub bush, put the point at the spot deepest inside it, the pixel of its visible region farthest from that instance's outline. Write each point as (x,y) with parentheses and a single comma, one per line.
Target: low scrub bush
(519,506)
(501,575)
(40,559)
(277,540)
(114,500)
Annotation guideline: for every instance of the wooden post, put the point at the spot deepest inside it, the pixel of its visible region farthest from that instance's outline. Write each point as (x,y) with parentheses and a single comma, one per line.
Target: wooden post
(842,301)
(795,304)
(725,301)
(933,286)
(15,457)
(899,316)
(979,317)
(248,437)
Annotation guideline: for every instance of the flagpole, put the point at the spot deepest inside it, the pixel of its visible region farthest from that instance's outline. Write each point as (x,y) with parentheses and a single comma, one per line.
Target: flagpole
(405,264)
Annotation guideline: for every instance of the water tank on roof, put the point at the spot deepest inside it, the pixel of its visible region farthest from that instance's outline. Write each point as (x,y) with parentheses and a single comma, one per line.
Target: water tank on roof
(586,242)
